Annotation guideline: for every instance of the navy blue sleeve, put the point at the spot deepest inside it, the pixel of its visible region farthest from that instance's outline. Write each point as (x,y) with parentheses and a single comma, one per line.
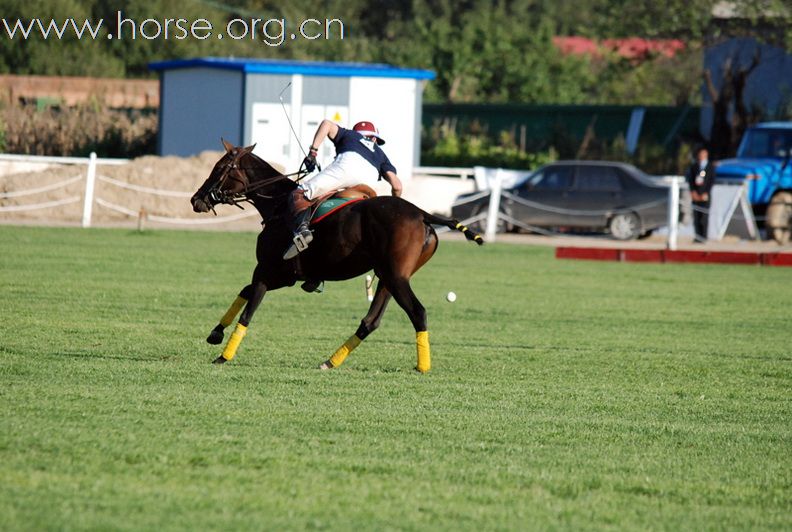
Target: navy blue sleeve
(340,136)
(386,166)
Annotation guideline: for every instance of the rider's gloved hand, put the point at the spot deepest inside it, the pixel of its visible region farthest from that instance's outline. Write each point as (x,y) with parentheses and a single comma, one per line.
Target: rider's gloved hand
(310,160)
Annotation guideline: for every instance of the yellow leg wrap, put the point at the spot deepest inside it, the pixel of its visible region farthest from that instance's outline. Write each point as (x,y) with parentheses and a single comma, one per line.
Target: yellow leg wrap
(233,342)
(424,358)
(340,355)
(232,311)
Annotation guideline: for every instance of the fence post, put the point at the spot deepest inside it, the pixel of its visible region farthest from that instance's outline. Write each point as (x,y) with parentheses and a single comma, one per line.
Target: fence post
(494,206)
(90,180)
(141,219)
(673,213)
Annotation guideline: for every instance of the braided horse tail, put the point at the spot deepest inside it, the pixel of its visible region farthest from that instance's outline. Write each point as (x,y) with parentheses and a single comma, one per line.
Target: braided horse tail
(453,224)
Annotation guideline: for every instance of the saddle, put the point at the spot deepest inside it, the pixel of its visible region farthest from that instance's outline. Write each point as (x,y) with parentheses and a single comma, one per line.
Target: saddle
(327,204)
(321,208)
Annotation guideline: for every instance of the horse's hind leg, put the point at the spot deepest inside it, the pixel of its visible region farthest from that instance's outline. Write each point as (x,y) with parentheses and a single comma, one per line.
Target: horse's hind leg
(405,263)
(216,336)
(367,326)
(255,291)
(406,298)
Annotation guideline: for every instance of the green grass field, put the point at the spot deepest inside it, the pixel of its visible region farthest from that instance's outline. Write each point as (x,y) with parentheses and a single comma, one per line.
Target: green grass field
(564,394)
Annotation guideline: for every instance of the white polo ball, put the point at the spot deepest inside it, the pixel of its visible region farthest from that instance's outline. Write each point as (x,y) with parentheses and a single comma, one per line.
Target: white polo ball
(451,297)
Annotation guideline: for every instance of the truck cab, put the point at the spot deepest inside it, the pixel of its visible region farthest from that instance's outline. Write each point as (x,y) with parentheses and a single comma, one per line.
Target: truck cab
(763,161)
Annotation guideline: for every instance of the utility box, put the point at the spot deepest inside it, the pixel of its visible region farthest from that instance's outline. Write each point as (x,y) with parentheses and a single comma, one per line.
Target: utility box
(252,101)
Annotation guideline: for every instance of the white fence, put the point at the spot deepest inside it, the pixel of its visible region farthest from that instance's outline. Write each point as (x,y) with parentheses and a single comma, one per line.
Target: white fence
(489,182)
(434,191)
(41,162)
(442,171)
(87,170)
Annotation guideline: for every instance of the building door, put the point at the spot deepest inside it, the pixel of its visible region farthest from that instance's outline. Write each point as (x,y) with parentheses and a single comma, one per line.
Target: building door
(271,133)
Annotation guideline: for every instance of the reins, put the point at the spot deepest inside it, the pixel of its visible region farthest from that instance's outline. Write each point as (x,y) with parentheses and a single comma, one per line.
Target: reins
(250,191)
(302,173)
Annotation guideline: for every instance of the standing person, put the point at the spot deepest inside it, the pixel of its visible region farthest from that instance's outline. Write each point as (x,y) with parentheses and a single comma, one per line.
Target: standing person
(700,178)
(359,159)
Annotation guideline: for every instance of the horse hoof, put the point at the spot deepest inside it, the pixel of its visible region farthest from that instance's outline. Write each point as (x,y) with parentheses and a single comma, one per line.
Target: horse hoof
(215,337)
(421,371)
(219,360)
(325,365)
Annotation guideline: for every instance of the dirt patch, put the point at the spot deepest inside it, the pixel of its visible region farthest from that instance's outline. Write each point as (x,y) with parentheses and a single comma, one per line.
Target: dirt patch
(177,177)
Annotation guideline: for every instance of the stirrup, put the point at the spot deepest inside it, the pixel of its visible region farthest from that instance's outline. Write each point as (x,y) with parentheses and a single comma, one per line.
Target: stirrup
(301,241)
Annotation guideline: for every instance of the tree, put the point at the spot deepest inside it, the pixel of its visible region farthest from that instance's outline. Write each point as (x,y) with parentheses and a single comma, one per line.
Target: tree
(726,132)
(490,51)
(481,50)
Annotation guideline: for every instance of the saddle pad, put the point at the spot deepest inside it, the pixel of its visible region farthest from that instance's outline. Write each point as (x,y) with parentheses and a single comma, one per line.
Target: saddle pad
(328,207)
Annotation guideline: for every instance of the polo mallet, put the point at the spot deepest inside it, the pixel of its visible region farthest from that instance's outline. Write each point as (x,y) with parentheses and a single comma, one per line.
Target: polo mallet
(291,126)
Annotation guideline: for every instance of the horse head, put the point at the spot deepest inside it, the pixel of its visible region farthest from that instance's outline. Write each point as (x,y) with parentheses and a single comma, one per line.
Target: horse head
(239,175)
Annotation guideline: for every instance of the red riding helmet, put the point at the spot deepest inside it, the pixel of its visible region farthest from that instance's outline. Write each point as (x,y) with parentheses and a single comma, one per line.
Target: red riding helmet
(367,129)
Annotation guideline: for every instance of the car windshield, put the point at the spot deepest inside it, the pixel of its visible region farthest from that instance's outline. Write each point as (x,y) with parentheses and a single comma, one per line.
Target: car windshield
(766,143)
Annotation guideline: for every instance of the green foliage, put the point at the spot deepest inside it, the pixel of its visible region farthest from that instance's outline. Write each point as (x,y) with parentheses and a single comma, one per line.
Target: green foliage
(496,52)
(481,50)
(650,156)
(450,144)
(69,56)
(564,395)
(448,149)
(659,80)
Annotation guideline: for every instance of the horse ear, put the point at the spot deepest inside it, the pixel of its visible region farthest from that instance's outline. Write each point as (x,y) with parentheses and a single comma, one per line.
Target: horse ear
(227,145)
(248,149)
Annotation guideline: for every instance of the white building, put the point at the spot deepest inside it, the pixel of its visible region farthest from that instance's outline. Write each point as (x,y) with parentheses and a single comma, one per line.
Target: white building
(204,99)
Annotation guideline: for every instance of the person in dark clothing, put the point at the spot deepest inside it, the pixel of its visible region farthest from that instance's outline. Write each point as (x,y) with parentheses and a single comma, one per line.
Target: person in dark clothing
(700,178)
(359,159)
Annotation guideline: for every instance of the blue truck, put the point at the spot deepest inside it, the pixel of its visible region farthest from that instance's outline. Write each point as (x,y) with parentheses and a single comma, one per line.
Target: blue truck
(763,161)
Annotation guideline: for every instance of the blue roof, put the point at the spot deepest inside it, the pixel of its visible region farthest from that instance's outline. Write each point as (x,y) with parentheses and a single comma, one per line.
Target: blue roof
(773,125)
(308,68)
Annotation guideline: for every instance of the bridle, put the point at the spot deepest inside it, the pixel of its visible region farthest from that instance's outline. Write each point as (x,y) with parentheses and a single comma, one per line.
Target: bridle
(235,172)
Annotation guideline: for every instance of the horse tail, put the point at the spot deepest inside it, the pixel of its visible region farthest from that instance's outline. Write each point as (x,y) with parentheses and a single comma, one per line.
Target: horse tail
(452,223)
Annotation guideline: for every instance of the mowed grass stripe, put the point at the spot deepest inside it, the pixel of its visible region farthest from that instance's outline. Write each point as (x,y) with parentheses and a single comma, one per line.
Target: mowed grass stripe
(563,394)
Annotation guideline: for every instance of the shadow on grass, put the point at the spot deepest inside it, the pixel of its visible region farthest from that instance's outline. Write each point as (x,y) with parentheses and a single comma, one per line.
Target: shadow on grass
(94,356)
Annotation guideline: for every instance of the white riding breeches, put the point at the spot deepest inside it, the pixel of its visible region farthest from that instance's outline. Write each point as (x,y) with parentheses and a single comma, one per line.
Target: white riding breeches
(347,170)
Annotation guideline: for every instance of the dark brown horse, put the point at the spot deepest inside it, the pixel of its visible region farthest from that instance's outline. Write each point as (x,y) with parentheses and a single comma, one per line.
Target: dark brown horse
(386,234)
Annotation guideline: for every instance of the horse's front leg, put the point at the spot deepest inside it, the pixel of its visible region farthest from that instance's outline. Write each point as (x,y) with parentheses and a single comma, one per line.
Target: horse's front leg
(216,336)
(255,293)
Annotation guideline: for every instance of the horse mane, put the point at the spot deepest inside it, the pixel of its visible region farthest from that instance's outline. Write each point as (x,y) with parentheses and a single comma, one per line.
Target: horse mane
(271,187)
(263,174)
(266,167)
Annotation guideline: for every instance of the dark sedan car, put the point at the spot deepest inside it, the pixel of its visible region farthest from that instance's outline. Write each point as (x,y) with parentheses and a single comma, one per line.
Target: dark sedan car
(580,195)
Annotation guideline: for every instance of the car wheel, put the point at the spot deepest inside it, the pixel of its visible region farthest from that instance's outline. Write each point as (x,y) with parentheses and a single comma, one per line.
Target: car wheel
(779,217)
(480,226)
(625,226)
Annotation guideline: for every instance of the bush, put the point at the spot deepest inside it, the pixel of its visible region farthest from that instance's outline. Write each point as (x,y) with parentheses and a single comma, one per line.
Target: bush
(478,150)
(444,147)
(77,131)
(650,156)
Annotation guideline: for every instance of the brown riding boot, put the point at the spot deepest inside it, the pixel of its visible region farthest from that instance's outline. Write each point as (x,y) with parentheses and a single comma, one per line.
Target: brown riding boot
(301,212)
